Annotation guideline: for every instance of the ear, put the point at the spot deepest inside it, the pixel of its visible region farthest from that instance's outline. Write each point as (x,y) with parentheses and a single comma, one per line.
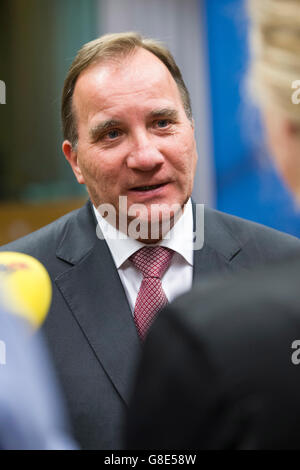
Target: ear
(71,156)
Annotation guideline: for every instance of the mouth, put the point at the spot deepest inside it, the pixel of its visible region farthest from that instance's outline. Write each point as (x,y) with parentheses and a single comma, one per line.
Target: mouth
(148,188)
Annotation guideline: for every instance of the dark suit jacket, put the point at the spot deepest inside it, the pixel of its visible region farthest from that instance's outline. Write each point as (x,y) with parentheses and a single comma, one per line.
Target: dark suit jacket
(217,370)
(90,329)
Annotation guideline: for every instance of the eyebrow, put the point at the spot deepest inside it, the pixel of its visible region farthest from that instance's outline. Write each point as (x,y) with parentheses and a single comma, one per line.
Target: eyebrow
(164,112)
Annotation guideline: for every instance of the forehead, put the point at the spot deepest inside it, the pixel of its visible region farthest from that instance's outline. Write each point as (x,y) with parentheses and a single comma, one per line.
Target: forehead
(136,79)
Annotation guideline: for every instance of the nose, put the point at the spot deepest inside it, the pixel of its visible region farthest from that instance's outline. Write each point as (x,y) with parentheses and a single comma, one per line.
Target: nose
(144,154)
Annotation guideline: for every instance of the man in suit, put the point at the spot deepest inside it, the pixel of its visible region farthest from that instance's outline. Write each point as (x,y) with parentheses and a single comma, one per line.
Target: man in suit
(128,132)
(221,367)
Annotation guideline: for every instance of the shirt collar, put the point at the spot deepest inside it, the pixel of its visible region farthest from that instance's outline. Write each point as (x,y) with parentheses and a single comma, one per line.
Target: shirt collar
(179,238)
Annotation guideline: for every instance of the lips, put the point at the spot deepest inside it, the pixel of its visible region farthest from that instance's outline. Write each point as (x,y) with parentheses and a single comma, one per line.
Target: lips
(148,187)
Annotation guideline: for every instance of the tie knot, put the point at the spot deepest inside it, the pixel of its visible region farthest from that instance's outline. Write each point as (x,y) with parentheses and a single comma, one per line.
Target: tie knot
(152,261)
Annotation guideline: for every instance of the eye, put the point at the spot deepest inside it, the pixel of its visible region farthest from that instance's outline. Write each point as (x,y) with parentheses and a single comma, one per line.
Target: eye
(161,123)
(113,134)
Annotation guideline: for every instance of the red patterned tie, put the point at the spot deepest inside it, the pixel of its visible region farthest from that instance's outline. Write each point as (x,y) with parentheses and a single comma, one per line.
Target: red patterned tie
(152,262)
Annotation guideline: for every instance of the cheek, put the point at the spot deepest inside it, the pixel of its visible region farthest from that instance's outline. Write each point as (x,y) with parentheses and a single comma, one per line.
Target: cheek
(99,168)
(186,158)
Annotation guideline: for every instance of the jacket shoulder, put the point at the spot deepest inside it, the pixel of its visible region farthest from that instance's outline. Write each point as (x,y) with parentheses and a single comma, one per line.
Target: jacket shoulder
(254,235)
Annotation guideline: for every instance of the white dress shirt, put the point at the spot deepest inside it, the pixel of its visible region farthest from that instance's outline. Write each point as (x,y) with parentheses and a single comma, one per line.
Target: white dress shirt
(178,277)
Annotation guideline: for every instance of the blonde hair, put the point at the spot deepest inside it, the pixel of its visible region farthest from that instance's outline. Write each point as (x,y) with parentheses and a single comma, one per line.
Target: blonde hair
(275,53)
(108,47)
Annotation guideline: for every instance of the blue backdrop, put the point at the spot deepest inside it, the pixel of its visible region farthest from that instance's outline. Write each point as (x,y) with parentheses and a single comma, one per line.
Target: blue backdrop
(246,183)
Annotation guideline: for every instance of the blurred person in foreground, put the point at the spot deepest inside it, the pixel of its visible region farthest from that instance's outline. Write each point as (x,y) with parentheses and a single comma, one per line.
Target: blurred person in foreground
(221,366)
(129,133)
(32,415)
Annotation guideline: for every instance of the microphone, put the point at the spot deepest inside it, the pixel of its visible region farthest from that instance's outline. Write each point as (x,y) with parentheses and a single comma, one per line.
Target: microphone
(25,286)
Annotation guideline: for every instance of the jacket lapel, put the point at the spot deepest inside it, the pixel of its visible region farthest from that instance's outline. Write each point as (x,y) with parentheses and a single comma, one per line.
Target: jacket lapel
(219,249)
(93,290)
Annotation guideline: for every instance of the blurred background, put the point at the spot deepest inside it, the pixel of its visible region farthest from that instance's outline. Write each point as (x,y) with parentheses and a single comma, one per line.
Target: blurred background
(38,41)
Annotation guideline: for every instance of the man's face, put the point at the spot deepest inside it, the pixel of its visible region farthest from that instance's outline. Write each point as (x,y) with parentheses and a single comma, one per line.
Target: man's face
(134,138)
